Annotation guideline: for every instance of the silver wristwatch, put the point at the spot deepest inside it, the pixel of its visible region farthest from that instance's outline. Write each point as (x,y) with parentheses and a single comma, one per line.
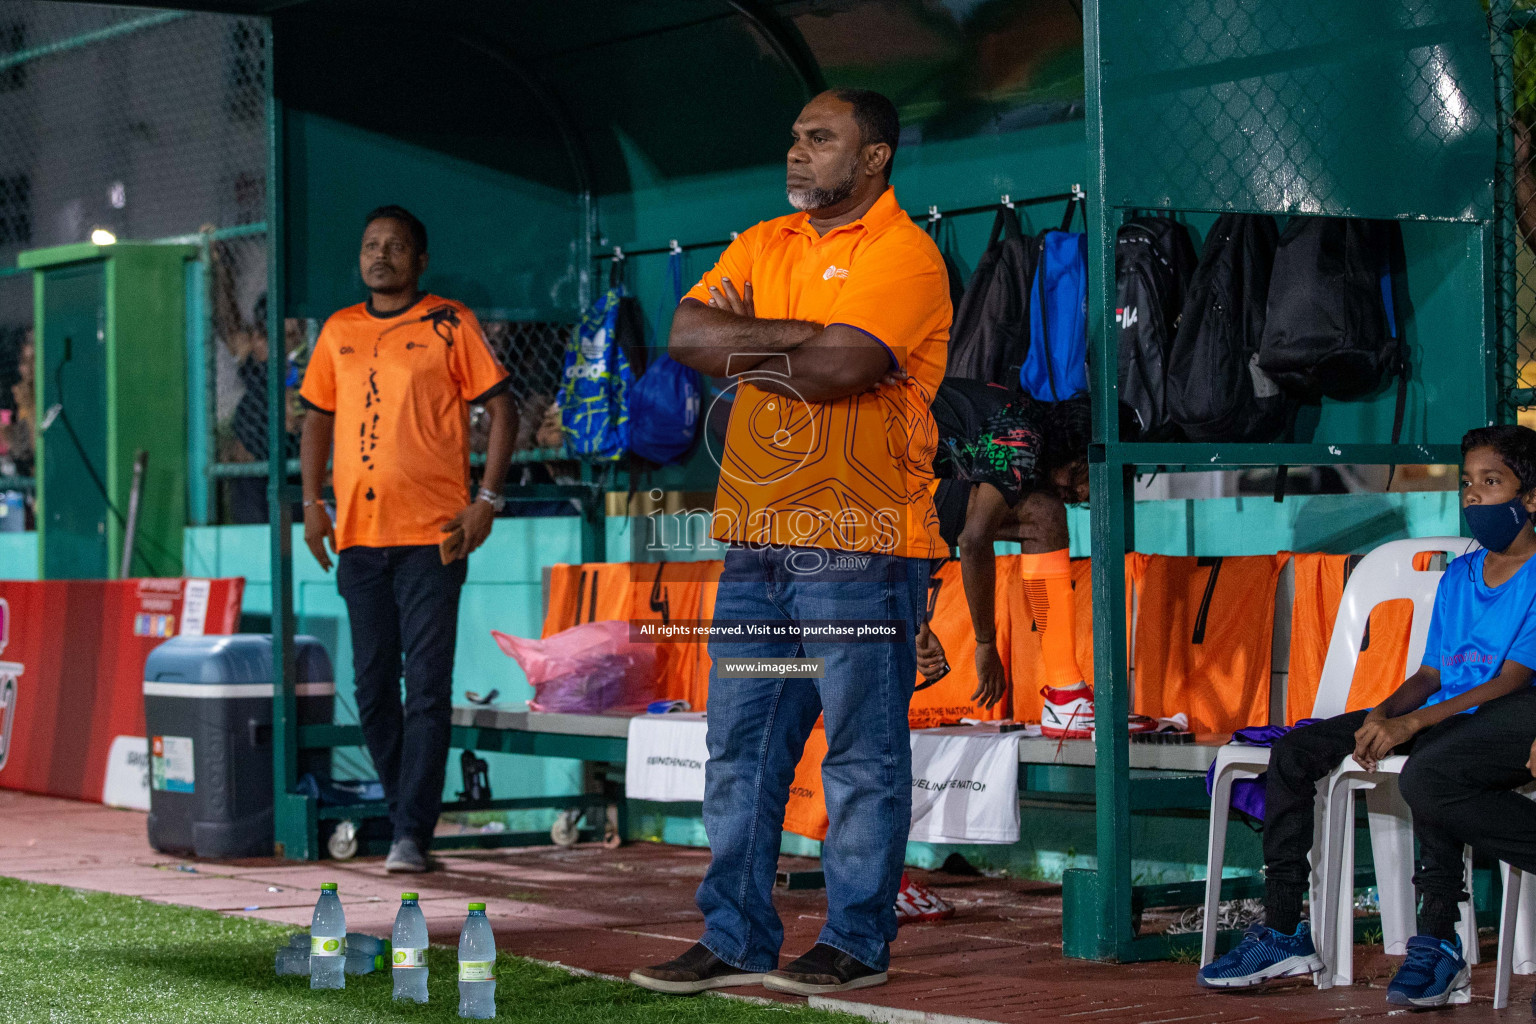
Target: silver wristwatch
(491,498)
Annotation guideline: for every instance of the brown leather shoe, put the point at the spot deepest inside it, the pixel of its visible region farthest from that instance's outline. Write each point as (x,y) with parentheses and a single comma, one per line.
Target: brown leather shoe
(824,969)
(697,970)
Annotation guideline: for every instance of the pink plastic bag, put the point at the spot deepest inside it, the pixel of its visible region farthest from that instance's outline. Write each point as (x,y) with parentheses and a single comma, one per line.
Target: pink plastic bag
(585,669)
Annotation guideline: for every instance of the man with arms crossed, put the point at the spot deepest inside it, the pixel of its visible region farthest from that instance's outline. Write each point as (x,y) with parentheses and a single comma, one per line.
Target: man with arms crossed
(391,382)
(823,499)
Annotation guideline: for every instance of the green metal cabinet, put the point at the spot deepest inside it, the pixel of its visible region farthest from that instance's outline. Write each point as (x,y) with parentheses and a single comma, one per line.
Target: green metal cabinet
(111,371)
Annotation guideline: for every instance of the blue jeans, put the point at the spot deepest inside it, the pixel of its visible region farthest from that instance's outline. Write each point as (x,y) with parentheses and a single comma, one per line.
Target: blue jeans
(757,731)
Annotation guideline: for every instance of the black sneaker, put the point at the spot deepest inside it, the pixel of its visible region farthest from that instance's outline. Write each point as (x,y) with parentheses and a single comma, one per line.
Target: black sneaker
(824,969)
(696,971)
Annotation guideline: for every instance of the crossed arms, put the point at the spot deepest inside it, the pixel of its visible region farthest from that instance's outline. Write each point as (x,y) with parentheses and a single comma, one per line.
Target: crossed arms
(816,363)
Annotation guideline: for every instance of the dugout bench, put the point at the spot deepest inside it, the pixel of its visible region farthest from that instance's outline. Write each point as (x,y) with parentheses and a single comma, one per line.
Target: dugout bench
(1164,777)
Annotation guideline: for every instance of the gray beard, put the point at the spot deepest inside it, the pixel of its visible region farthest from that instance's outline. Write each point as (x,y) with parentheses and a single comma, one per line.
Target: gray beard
(805,199)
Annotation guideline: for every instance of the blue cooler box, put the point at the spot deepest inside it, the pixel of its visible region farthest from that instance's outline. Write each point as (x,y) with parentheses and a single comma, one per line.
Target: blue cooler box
(208,712)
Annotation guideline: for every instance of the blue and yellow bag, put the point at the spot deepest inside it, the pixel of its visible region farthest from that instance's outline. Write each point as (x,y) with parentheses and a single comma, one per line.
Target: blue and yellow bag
(595,384)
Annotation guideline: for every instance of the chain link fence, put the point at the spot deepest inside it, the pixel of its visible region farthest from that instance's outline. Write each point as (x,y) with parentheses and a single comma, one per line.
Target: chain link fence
(149,125)
(1308,109)
(152,126)
(1513,34)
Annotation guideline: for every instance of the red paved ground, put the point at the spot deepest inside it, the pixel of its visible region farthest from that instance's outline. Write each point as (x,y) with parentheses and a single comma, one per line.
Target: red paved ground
(606,911)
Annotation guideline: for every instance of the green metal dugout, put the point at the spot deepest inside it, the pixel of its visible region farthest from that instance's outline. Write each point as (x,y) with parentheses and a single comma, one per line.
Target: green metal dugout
(533,138)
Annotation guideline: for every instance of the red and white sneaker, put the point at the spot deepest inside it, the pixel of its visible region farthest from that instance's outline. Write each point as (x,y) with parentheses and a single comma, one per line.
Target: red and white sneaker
(917,903)
(1067,714)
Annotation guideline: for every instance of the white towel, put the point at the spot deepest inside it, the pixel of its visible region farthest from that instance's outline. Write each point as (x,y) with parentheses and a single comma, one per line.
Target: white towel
(965,787)
(665,759)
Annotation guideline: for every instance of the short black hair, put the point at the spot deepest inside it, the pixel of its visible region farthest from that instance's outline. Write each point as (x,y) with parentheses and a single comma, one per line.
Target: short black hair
(876,117)
(1066,427)
(1515,445)
(412,224)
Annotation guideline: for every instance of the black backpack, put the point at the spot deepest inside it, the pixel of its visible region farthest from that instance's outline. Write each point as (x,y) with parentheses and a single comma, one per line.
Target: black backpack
(1154,259)
(945,241)
(1330,330)
(1216,390)
(990,335)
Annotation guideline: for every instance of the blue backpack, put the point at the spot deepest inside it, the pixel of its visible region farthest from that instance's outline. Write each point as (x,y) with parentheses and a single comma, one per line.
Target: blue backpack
(596,383)
(664,405)
(1056,366)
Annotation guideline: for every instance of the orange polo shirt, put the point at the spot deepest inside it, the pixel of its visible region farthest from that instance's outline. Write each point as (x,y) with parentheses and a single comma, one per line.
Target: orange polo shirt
(400,387)
(851,474)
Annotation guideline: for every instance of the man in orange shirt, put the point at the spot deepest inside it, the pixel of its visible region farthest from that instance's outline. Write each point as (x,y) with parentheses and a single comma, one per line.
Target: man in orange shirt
(824,501)
(391,382)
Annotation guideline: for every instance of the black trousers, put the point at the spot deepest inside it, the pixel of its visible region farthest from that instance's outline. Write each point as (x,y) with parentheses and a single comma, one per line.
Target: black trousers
(1458,781)
(1462,786)
(1299,761)
(403,604)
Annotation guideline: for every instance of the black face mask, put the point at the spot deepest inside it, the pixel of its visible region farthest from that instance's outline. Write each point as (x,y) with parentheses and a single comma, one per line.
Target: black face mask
(1495,527)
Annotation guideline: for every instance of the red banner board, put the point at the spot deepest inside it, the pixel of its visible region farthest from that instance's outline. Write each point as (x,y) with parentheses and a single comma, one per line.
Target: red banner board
(72,658)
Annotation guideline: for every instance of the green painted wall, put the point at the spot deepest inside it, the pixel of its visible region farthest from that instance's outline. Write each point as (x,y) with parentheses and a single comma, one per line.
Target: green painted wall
(499,243)
(18,556)
(1040,161)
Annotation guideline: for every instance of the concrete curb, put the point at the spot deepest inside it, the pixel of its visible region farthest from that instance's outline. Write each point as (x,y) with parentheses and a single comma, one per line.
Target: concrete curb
(869,1011)
(582,972)
(888,1014)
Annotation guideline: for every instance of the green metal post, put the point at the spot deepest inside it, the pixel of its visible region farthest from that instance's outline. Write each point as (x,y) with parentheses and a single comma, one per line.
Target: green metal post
(1097,911)
(293,818)
(199,392)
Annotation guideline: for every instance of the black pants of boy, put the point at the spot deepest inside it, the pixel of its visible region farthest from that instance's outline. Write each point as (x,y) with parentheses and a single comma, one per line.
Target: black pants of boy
(1299,761)
(1464,787)
(403,604)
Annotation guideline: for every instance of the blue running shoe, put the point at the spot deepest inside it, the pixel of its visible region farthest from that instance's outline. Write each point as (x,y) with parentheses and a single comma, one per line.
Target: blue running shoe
(1264,954)
(1434,974)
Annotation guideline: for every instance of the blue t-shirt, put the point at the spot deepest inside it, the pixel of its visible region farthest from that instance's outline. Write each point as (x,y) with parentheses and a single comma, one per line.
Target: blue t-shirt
(1475,628)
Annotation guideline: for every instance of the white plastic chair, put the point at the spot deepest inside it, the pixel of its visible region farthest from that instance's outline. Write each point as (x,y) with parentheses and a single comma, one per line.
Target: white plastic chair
(1386,574)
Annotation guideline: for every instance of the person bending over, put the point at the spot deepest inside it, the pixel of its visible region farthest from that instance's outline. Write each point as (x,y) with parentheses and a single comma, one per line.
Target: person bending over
(1006,468)
(1465,717)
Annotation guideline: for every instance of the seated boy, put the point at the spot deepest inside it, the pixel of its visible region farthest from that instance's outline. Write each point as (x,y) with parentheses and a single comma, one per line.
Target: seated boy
(1466,716)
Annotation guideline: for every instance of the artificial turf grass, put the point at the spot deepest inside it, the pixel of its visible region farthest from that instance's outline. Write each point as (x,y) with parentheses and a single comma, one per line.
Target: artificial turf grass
(89,956)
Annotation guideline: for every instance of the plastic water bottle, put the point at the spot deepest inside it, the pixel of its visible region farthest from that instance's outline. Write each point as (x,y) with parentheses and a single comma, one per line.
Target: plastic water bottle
(410,950)
(328,941)
(477,966)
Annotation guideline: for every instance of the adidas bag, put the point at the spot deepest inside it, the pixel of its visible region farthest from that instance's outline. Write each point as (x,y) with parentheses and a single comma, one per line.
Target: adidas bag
(1216,389)
(1154,259)
(1056,366)
(1330,330)
(594,393)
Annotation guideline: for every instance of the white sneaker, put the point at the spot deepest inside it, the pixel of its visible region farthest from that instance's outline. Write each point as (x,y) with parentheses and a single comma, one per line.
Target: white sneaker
(1067,714)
